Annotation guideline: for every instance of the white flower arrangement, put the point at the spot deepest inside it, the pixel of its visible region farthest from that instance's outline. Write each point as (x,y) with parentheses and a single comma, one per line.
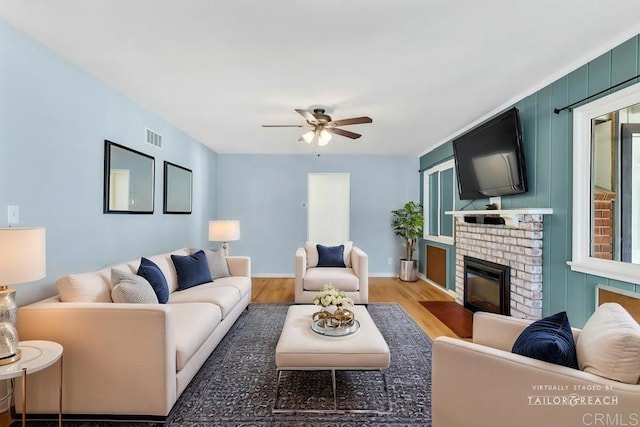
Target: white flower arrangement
(332,296)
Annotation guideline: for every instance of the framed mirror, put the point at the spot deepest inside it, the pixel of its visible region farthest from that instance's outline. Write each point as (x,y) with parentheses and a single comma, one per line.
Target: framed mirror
(128,180)
(606,186)
(177,189)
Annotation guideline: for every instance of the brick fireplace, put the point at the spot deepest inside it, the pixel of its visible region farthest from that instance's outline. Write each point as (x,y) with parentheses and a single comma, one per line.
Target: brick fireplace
(516,245)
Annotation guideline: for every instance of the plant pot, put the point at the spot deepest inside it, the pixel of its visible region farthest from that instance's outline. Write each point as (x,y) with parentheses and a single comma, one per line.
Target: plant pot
(408,270)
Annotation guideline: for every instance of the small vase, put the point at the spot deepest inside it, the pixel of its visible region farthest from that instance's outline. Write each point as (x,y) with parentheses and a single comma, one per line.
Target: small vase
(322,317)
(343,317)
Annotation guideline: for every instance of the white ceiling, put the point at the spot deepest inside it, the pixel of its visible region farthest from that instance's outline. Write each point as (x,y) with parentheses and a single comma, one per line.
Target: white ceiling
(422,69)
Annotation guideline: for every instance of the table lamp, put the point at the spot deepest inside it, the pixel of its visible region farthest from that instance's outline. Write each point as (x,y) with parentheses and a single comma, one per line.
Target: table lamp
(22,259)
(224,231)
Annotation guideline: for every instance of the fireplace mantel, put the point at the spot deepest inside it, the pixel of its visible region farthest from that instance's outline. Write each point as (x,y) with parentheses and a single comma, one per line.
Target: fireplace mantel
(518,248)
(511,217)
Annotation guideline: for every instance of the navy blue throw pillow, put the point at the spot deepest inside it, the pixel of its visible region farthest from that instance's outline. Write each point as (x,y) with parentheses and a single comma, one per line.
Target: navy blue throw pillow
(192,270)
(549,339)
(150,271)
(330,256)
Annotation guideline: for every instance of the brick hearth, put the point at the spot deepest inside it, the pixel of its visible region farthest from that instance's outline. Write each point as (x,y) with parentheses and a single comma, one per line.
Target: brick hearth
(519,248)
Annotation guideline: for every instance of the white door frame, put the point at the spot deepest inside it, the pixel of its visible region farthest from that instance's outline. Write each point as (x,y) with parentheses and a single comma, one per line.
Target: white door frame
(321,221)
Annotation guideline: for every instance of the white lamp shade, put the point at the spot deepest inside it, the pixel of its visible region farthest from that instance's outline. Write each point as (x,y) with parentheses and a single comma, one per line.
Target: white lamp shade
(308,136)
(224,231)
(324,137)
(22,255)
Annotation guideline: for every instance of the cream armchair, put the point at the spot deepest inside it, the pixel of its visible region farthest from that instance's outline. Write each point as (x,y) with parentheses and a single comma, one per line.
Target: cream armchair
(353,279)
(481,383)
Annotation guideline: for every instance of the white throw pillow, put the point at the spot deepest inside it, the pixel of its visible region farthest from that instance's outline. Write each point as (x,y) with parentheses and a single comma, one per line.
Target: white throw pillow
(85,287)
(312,253)
(217,263)
(131,288)
(609,345)
(347,253)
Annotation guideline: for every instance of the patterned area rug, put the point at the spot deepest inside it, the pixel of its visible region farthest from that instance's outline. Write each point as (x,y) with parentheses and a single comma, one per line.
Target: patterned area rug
(236,385)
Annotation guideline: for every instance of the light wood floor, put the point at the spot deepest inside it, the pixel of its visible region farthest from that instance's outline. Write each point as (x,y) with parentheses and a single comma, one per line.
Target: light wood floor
(381,289)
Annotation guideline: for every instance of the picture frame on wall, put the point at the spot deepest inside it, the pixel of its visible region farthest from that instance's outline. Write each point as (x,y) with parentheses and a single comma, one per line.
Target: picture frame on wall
(178,189)
(129,180)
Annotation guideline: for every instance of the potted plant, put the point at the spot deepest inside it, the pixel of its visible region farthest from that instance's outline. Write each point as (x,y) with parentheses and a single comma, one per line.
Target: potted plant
(408,223)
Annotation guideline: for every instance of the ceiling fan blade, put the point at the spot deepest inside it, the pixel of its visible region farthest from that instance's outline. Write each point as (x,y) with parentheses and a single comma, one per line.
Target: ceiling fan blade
(309,117)
(343,132)
(352,121)
(283,126)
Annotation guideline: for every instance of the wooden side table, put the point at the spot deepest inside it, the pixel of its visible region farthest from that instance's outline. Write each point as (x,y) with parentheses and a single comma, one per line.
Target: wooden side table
(36,356)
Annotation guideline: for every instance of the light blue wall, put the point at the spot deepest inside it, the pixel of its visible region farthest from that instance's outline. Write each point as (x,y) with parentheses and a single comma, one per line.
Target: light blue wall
(547,140)
(266,193)
(54,119)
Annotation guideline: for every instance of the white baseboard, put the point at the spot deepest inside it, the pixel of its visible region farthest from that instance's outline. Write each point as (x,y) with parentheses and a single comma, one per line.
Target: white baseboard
(273,275)
(437,286)
(420,276)
(289,275)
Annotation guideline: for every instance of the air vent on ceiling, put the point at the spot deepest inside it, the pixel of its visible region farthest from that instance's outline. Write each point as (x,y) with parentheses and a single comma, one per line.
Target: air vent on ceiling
(153,138)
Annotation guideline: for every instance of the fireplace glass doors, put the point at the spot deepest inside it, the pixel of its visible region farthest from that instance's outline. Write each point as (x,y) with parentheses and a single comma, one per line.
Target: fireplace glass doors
(486,286)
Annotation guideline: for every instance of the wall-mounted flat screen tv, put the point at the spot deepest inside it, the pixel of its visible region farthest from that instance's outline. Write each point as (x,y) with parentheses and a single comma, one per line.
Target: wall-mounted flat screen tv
(489,159)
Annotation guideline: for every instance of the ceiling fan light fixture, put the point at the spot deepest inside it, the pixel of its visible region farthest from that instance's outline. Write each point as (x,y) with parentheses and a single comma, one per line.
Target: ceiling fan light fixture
(321,127)
(324,137)
(308,136)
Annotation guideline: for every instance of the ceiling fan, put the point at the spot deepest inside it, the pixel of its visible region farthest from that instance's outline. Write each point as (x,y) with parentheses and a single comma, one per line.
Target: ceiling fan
(322,127)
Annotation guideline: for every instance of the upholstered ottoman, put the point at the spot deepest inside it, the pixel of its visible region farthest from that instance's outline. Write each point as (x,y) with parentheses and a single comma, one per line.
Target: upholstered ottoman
(300,348)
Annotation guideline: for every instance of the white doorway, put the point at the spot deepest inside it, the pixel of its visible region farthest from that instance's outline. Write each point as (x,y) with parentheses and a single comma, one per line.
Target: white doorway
(119,182)
(328,208)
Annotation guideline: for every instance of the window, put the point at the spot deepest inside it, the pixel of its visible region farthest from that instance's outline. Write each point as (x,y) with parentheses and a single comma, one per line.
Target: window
(606,186)
(439,187)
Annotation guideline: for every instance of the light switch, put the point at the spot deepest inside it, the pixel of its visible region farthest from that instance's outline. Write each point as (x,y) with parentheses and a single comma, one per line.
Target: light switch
(13,215)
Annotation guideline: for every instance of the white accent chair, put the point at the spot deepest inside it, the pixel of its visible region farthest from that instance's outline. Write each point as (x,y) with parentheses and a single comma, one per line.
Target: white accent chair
(352,279)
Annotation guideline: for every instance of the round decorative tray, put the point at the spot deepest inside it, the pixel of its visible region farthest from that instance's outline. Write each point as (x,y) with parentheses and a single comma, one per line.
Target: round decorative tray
(329,331)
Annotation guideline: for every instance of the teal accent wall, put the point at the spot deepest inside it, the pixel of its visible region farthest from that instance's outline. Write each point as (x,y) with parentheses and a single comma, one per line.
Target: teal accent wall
(438,155)
(450,260)
(547,140)
(54,118)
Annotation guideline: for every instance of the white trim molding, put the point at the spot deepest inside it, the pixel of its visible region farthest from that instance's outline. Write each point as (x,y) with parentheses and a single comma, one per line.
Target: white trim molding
(512,217)
(444,290)
(292,276)
(426,199)
(582,261)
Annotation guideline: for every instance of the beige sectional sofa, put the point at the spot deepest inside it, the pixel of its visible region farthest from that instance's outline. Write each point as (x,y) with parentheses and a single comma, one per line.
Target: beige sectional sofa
(130,359)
